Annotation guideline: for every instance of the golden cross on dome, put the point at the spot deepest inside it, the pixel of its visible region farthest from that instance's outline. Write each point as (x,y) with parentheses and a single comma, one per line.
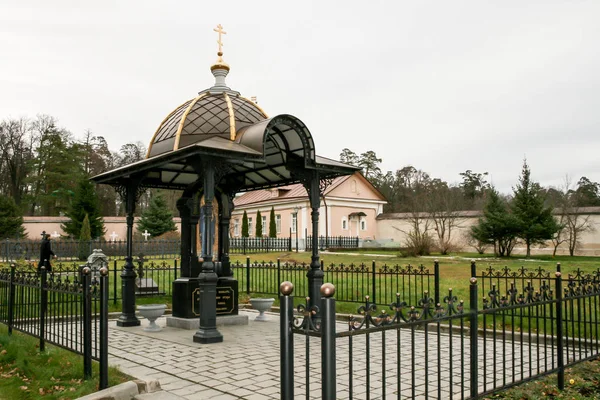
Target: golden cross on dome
(220,31)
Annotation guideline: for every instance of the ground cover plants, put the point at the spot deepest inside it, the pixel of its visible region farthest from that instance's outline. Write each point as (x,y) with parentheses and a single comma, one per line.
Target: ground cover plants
(26,373)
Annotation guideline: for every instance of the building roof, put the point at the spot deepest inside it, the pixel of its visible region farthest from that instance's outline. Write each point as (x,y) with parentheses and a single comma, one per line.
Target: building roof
(291,192)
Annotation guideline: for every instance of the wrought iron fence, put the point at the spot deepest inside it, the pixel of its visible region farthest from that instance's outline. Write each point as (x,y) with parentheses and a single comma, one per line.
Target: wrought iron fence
(249,245)
(532,324)
(64,307)
(68,249)
(352,281)
(333,242)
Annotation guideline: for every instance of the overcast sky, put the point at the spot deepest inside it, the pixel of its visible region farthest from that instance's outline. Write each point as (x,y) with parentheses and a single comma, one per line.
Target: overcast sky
(444,86)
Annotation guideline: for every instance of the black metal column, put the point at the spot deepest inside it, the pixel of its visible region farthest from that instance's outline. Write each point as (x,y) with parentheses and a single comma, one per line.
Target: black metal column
(194,219)
(315,274)
(127,317)
(224,222)
(286,340)
(184,213)
(208,332)
(103,381)
(328,368)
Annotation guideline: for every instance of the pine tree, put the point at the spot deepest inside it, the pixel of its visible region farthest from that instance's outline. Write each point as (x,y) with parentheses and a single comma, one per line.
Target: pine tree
(11,219)
(157,218)
(245,229)
(259,226)
(497,227)
(272,224)
(536,223)
(84,238)
(85,202)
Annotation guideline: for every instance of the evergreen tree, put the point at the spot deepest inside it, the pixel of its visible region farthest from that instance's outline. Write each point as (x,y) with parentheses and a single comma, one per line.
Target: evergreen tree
(535,221)
(272,224)
(497,227)
(245,232)
(85,203)
(157,218)
(11,219)
(84,238)
(259,226)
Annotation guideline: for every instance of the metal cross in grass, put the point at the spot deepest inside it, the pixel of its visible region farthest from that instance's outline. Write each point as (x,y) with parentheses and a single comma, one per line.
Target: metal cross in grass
(146,234)
(114,236)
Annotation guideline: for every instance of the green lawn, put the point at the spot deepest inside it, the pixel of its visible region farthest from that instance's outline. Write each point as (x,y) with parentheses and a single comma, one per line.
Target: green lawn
(26,373)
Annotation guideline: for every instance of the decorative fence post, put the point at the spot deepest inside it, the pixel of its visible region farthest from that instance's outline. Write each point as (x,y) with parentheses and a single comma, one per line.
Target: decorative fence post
(473,268)
(328,384)
(278,270)
(87,323)
(473,337)
(247,275)
(373,283)
(286,315)
(436,281)
(559,330)
(175,269)
(115,282)
(43,305)
(103,328)
(11,299)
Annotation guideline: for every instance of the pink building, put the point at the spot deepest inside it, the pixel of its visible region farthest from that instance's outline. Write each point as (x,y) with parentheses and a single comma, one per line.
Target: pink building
(349,208)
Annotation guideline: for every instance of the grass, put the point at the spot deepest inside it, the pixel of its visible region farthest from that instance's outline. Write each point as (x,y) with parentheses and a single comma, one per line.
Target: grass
(582,381)
(27,373)
(454,273)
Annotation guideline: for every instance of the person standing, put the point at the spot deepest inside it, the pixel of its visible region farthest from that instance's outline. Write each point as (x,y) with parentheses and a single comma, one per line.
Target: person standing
(46,253)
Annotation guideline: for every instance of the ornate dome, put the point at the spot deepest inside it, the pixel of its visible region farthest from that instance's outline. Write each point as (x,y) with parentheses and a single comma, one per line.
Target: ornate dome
(217,111)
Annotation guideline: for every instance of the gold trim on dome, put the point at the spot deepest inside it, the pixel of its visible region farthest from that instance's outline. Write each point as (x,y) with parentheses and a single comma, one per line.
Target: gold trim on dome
(161,125)
(255,105)
(231,117)
(183,118)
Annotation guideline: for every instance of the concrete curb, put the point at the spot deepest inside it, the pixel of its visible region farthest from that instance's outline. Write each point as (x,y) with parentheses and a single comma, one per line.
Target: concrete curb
(126,391)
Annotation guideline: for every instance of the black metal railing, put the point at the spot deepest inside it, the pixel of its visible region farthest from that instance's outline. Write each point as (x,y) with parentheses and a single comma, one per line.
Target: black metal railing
(67,308)
(529,324)
(353,282)
(68,249)
(249,245)
(333,242)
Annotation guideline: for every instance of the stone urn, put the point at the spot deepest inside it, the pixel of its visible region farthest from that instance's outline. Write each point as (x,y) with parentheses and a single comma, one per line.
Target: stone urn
(151,312)
(261,305)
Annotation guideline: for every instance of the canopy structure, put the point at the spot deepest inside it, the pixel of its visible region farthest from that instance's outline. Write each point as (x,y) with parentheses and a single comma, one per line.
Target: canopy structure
(212,147)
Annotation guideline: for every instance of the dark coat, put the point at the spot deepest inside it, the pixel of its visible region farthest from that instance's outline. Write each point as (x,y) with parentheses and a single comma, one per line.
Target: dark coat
(46,254)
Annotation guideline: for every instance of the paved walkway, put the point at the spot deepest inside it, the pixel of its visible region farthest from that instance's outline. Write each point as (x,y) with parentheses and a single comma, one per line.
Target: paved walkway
(246,365)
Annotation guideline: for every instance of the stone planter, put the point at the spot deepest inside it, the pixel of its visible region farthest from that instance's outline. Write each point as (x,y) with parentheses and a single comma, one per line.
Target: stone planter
(151,312)
(261,305)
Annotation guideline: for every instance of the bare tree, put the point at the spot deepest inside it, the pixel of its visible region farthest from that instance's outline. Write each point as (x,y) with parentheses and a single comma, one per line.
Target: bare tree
(15,155)
(444,204)
(574,222)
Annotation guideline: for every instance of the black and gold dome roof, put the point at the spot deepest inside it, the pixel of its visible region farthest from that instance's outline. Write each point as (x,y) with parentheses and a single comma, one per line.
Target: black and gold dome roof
(217,111)
(209,114)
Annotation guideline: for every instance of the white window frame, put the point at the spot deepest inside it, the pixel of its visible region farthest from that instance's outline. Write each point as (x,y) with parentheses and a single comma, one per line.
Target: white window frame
(265,226)
(250,227)
(294,222)
(278,223)
(344,223)
(236,227)
(363,221)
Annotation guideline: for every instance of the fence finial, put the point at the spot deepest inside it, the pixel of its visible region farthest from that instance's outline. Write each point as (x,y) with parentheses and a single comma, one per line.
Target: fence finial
(286,288)
(327,290)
